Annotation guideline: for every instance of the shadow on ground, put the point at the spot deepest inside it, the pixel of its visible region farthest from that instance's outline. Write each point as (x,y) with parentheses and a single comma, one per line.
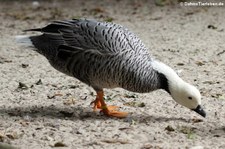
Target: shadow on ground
(76,113)
(85,114)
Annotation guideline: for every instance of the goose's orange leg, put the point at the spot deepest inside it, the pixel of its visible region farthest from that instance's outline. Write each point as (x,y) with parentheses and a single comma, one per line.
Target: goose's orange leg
(99,103)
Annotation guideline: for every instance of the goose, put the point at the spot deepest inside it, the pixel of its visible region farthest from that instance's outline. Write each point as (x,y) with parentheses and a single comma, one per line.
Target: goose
(108,55)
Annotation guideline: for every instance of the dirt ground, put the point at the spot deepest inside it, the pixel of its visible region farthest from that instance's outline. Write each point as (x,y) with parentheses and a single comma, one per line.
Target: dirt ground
(43,108)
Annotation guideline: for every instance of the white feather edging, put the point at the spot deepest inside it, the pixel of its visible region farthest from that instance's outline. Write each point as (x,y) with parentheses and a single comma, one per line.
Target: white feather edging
(24,40)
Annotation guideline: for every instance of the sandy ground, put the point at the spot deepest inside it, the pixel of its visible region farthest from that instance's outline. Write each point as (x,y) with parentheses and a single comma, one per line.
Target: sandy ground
(51,109)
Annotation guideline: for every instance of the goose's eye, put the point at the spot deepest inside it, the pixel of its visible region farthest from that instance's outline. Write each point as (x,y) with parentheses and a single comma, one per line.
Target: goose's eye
(190,98)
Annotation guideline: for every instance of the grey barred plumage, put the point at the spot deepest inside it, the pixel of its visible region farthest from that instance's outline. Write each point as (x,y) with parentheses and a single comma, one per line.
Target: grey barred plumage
(107,55)
(101,54)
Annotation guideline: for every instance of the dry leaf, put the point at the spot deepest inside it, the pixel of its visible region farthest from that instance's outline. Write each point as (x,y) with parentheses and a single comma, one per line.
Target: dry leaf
(4,60)
(109,19)
(221,97)
(208,82)
(125,128)
(58,94)
(12,135)
(221,52)
(162,2)
(149,146)
(22,86)
(131,95)
(69,102)
(180,64)
(211,27)
(97,11)
(142,104)
(196,120)
(169,128)
(112,141)
(60,144)
(39,82)
(25,65)
(187,130)
(199,63)
(2,137)
(54,95)
(134,104)
(24,123)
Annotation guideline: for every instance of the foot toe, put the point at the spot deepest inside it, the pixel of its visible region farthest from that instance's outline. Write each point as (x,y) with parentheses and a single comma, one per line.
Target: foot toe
(112,108)
(117,114)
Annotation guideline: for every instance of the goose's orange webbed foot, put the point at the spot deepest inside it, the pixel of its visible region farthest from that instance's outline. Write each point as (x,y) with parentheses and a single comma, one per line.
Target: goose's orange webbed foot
(114,113)
(111,110)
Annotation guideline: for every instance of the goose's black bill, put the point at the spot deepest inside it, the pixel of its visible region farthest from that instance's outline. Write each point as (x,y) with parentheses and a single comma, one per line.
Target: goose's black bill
(200,111)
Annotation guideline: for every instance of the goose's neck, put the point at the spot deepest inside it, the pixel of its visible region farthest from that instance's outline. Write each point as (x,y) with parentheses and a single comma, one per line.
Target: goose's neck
(170,81)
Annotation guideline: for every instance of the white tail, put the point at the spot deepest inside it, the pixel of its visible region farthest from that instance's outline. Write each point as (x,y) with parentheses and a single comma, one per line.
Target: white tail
(24,40)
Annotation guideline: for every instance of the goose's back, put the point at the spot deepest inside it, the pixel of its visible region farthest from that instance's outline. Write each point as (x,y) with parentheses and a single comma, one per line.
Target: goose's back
(100,54)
